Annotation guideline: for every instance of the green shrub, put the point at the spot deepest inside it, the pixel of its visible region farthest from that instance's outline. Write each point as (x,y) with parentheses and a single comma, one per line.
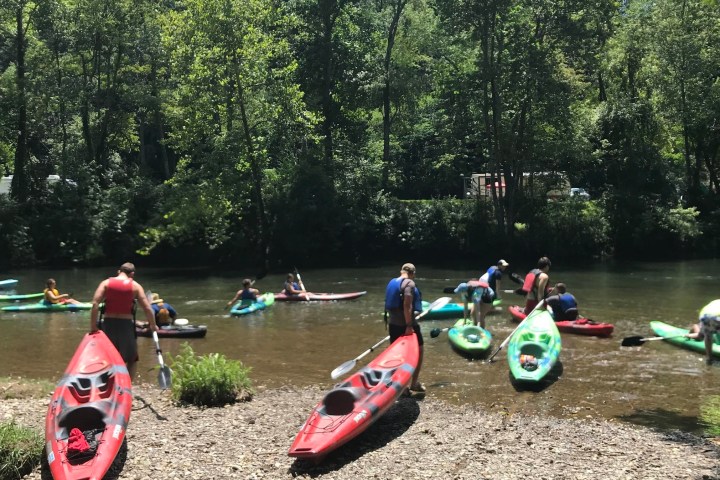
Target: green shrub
(210,380)
(710,414)
(20,450)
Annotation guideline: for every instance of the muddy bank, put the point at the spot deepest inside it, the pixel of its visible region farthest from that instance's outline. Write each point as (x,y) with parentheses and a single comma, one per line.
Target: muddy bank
(417,438)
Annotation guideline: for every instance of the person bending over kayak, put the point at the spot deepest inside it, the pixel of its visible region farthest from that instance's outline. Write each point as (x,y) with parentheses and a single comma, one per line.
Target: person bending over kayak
(247,295)
(402,301)
(54,297)
(291,286)
(536,284)
(563,304)
(493,277)
(481,296)
(120,294)
(707,327)
(165,314)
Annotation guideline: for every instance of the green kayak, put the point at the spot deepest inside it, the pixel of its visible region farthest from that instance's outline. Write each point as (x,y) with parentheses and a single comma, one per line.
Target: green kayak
(668,331)
(48,307)
(534,348)
(469,339)
(20,298)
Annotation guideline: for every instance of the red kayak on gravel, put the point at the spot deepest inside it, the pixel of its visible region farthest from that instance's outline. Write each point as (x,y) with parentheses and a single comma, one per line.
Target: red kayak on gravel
(355,404)
(89,412)
(581,326)
(317,297)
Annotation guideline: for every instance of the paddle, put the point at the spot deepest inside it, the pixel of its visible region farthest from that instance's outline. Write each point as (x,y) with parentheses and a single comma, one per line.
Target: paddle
(637,340)
(350,364)
(507,340)
(302,287)
(164,375)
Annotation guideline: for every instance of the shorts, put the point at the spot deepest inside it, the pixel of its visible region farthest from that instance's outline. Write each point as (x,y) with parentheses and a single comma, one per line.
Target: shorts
(483,295)
(397,331)
(709,324)
(121,333)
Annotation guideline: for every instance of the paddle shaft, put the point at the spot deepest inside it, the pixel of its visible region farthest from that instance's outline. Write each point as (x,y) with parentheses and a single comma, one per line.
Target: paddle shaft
(300,282)
(507,340)
(164,375)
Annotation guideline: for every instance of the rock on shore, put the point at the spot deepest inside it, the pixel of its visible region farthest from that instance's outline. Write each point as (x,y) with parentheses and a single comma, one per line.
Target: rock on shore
(417,438)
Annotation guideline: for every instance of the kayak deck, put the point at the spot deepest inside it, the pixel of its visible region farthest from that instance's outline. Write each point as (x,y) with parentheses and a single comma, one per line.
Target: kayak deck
(662,329)
(534,348)
(469,339)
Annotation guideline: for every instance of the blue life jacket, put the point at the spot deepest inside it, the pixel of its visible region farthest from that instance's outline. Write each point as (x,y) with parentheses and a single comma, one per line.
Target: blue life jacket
(394,296)
(248,295)
(493,274)
(295,286)
(567,301)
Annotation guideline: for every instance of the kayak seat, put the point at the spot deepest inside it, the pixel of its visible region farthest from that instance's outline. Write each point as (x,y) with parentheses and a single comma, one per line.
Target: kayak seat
(532,348)
(85,417)
(341,401)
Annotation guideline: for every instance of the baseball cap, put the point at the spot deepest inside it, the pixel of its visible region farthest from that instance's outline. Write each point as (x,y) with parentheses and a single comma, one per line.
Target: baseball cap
(408,267)
(503,263)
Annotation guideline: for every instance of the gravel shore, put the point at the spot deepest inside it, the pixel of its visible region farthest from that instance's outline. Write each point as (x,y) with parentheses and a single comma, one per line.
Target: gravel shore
(417,438)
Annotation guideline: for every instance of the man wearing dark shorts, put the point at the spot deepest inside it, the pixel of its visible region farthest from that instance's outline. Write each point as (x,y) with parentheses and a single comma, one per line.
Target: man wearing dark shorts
(402,300)
(119,294)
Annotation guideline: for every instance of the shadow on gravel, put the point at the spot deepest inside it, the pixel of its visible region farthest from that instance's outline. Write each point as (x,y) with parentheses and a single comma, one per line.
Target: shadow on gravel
(386,429)
(150,407)
(552,377)
(663,421)
(113,472)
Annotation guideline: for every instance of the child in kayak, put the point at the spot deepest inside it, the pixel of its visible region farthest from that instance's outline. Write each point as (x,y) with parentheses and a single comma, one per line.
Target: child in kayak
(53,296)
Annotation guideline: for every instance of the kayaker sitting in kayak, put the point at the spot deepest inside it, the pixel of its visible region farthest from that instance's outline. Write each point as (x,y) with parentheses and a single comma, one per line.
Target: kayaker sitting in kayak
(165,314)
(563,304)
(481,296)
(247,295)
(707,327)
(53,296)
(291,286)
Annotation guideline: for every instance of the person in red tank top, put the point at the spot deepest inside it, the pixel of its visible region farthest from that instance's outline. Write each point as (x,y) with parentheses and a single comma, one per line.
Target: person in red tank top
(120,294)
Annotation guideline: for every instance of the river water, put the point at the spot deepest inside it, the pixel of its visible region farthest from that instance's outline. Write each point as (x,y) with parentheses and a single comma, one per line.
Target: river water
(656,384)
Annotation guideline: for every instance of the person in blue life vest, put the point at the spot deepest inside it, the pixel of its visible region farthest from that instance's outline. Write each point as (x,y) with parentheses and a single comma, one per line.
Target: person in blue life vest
(535,287)
(481,296)
(562,303)
(247,295)
(493,277)
(707,328)
(291,286)
(403,301)
(165,314)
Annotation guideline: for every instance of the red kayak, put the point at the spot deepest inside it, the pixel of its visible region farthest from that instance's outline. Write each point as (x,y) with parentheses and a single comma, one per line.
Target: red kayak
(581,326)
(352,406)
(317,297)
(89,412)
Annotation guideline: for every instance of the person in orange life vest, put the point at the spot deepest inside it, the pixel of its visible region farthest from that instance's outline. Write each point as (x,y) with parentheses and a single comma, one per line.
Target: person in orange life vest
(291,286)
(120,294)
(53,296)
(402,300)
(165,314)
(536,284)
(247,295)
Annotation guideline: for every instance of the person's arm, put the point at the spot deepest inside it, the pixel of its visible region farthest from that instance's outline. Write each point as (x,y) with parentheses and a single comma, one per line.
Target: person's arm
(171,311)
(145,304)
(408,311)
(542,286)
(52,298)
(95,311)
(232,302)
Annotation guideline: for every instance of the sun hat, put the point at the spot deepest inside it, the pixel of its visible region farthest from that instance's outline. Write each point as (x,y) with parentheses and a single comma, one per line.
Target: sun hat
(156,298)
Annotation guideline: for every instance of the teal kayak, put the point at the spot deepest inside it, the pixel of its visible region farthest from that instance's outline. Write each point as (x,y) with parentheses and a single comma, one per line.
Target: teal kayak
(468,338)
(534,348)
(20,298)
(48,307)
(449,311)
(668,331)
(9,284)
(262,302)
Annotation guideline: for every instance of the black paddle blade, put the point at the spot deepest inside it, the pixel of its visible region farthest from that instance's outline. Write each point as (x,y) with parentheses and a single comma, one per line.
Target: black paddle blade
(635,341)
(435,332)
(449,290)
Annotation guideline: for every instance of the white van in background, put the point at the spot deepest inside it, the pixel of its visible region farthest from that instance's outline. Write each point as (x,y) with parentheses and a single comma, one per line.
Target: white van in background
(5,182)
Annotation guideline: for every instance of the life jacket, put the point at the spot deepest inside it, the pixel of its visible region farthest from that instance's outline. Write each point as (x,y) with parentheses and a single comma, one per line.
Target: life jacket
(473,285)
(55,292)
(248,295)
(163,316)
(119,296)
(394,295)
(295,286)
(489,277)
(530,280)
(567,302)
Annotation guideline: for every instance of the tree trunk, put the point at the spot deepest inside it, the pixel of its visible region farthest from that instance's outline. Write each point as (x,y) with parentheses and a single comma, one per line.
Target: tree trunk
(20,181)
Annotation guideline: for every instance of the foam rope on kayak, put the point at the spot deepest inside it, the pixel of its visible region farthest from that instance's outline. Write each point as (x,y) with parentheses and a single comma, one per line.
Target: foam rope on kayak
(350,364)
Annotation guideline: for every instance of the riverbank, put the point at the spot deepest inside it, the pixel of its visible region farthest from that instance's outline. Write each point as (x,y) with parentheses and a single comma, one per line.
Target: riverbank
(417,438)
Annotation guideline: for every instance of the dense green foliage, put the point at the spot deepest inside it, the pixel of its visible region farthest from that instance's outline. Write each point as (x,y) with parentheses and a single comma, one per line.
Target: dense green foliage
(317,131)
(710,415)
(211,380)
(20,450)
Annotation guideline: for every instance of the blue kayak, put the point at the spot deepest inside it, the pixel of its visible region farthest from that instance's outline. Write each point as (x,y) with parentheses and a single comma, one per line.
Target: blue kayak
(261,303)
(9,284)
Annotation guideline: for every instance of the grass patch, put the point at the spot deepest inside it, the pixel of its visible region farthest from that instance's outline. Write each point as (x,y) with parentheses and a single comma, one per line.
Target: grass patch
(210,380)
(19,388)
(710,415)
(20,450)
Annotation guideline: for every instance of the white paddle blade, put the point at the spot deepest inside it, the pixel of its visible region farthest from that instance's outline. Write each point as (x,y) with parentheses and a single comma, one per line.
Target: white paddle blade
(342,369)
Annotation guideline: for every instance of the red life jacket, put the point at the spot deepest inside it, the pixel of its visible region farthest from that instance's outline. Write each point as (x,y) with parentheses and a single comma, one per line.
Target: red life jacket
(119,296)
(530,279)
